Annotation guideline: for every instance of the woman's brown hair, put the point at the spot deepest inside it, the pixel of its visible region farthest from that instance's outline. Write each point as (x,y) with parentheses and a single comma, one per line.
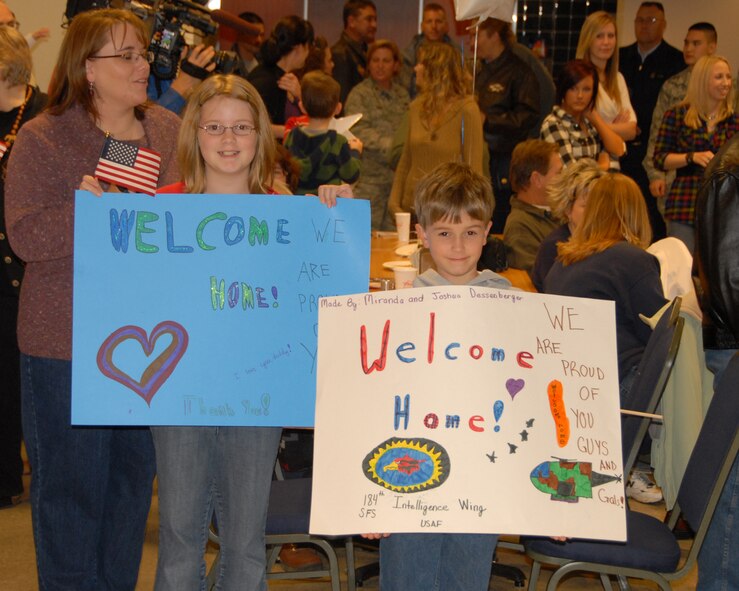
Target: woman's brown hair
(87,34)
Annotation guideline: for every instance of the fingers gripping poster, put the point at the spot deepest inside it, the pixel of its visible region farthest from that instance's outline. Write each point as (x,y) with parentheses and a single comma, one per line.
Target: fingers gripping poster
(469,410)
(202,309)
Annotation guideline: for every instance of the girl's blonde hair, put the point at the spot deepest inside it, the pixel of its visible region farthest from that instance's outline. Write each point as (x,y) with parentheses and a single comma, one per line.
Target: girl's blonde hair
(571,183)
(697,98)
(615,212)
(192,165)
(590,29)
(443,78)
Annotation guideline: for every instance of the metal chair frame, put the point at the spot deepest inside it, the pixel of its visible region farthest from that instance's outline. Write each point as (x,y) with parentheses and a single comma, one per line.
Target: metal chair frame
(702,508)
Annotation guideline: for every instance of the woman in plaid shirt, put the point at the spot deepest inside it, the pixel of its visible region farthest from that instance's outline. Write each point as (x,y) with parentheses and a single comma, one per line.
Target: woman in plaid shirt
(574,125)
(689,136)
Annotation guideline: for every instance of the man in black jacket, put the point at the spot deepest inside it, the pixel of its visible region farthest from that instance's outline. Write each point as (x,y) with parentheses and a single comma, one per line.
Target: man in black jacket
(508,94)
(717,258)
(350,51)
(646,65)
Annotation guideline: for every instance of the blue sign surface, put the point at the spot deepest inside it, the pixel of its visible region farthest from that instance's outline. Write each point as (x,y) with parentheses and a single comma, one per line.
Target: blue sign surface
(203,309)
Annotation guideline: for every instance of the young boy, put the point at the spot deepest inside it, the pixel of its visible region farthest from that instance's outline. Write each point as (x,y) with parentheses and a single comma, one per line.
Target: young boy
(454,205)
(325,157)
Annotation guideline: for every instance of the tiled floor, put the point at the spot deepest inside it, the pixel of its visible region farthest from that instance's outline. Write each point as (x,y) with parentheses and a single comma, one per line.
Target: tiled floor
(17,566)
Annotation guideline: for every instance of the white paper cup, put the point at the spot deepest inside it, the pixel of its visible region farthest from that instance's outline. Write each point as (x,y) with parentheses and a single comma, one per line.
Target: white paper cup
(403,224)
(404,277)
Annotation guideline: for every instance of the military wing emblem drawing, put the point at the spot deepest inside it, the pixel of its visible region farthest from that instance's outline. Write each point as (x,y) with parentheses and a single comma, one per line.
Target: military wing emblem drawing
(407,465)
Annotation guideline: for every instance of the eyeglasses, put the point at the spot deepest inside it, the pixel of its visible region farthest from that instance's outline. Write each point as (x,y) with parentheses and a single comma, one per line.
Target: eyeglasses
(128,56)
(220,129)
(651,20)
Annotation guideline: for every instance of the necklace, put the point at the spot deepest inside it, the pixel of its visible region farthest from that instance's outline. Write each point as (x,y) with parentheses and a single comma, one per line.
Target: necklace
(10,137)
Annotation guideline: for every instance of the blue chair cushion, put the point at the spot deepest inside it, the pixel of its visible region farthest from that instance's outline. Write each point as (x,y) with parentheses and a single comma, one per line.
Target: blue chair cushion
(651,546)
(289,506)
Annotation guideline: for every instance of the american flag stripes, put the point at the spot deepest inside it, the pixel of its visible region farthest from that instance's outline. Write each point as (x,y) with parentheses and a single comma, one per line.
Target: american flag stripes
(126,165)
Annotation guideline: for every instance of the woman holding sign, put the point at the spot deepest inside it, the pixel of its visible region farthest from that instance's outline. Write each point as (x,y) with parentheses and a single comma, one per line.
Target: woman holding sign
(225,146)
(91,487)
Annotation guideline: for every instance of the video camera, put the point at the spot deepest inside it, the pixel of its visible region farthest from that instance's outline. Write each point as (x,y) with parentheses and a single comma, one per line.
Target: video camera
(170,21)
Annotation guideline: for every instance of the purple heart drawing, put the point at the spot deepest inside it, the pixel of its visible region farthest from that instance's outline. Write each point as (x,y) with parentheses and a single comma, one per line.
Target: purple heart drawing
(158,370)
(514,386)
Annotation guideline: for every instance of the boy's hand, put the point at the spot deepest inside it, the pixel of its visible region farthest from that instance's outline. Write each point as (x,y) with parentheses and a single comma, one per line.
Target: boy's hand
(356,144)
(375,536)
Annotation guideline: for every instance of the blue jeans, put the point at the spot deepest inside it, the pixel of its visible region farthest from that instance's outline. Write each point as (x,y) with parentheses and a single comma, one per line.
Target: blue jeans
(90,490)
(684,232)
(436,562)
(201,469)
(718,567)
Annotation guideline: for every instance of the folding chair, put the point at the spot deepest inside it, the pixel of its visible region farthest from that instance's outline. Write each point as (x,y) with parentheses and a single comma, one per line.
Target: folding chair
(288,518)
(651,379)
(651,551)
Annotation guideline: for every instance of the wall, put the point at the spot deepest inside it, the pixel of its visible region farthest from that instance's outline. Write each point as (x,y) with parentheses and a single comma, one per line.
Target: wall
(32,15)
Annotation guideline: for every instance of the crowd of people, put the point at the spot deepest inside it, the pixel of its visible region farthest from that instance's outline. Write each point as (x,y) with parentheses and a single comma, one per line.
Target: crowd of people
(580,176)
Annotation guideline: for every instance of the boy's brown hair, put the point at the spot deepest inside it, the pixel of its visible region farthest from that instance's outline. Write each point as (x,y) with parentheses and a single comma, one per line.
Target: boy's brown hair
(450,190)
(321,94)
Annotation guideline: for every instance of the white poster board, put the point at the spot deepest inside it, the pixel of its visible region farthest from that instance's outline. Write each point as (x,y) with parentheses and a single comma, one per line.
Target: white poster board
(470,410)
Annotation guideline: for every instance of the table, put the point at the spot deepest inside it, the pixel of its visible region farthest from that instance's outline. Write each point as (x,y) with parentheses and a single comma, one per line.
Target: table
(383,247)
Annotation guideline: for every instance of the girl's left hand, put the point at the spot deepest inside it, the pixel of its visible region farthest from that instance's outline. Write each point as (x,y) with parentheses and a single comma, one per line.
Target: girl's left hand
(328,193)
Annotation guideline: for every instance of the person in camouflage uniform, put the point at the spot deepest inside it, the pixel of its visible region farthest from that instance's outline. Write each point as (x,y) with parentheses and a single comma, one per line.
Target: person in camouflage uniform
(383,103)
(700,40)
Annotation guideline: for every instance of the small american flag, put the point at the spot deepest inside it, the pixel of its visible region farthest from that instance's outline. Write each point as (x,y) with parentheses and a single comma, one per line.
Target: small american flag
(3,149)
(128,166)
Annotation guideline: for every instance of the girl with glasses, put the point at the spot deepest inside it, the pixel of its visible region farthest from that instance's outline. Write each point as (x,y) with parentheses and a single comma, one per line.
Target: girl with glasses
(225,146)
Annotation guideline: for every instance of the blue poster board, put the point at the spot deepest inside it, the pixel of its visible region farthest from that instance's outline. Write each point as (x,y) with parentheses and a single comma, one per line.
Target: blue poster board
(202,309)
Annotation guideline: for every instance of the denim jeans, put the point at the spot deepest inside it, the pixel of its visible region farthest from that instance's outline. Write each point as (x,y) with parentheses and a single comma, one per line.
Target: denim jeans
(684,232)
(718,567)
(202,469)
(436,562)
(90,489)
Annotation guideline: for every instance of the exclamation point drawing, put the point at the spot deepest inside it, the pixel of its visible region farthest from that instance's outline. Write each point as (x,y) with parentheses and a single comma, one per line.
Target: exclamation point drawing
(497,413)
